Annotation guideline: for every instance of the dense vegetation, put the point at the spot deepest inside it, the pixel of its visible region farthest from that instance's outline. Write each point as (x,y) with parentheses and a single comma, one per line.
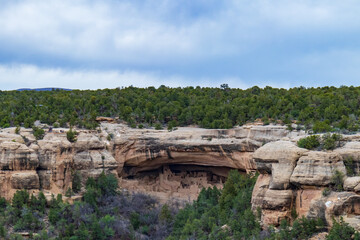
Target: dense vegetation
(322,109)
(227,215)
(106,213)
(220,214)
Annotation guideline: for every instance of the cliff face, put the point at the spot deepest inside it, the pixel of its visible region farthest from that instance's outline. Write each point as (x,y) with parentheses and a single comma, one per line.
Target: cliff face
(293,179)
(48,164)
(180,163)
(166,164)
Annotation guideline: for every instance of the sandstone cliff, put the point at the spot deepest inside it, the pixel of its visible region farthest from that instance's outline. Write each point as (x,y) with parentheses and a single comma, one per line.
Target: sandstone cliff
(178,164)
(166,164)
(293,179)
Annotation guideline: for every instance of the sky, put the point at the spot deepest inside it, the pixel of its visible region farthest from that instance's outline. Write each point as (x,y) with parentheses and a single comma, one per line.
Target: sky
(96,44)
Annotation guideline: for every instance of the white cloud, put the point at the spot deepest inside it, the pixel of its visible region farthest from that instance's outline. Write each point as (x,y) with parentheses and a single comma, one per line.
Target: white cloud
(30,76)
(172,42)
(133,32)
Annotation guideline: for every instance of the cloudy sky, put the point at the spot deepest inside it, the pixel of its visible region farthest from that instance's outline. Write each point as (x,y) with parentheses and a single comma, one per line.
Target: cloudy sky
(91,44)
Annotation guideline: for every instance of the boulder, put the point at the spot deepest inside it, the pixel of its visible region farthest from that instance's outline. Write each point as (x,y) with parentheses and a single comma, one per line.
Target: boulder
(17,156)
(25,180)
(280,176)
(283,152)
(86,141)
(260,188)
(103,159)
(82,160)
(350,183)
(317,168)
(54,141)
(317,210)
(273,217)
(277,199)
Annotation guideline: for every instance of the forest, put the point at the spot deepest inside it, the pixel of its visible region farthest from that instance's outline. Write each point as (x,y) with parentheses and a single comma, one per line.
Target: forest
(105,212)
(320,109)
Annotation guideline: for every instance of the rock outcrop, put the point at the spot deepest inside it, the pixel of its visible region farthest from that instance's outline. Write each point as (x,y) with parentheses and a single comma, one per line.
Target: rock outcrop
(316,168)
(167,164)
(294,179)
(178,164)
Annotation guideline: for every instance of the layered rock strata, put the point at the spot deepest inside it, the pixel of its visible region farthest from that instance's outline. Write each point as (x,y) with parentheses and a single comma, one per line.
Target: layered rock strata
(167,164)
(297,180)
(180,163)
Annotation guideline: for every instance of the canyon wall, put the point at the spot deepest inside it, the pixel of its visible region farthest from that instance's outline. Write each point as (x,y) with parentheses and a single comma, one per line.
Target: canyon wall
(176,164)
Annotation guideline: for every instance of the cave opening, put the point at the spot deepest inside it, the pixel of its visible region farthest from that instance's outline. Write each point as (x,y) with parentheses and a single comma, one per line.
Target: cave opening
(173,180)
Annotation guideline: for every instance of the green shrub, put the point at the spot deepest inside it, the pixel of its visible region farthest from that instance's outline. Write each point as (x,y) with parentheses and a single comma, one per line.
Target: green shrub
(165,214)
(41,202)
(3,231)
(108,137)
(17,130)
(20,199)
(320,127)
(326,192)
(309,142)
(302,228)
(158,126)
(71,135)
(69,192)
(135,220)
(341,231)
(3,203)
(327,142)
(108,184)
(294,214)
(337,180)
(350,166)
(38,133)
(331,141)
(76,182)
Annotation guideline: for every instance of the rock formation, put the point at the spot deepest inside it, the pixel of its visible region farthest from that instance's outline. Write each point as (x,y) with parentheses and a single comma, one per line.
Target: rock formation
(166,164)
(294,179)
(178,164)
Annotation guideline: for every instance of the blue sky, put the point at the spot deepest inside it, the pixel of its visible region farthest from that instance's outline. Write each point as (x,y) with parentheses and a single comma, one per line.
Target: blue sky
(91,44)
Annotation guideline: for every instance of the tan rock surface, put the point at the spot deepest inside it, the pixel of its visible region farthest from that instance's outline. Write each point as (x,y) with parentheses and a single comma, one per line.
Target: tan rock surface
(280,176)
(316,168)
(195,157)
(17,156)
(277,199)
(345,205)
(180,163)
(273,217)
(25,180)
(260,188)
(351,183)
(351,152)
(283,152)
(305,200)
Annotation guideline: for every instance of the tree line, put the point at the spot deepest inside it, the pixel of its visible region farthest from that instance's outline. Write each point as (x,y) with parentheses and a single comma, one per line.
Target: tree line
(322,109)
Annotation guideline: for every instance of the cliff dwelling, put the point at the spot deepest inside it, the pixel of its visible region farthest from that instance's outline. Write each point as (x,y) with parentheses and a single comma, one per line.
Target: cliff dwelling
(181,182)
